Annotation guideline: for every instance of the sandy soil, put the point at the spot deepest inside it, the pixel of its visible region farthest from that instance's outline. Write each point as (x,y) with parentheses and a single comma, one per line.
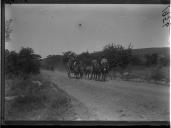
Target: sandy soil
(114,100)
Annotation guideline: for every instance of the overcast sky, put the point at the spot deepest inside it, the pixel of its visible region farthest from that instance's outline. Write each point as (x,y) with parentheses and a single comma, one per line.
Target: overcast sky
(53,29)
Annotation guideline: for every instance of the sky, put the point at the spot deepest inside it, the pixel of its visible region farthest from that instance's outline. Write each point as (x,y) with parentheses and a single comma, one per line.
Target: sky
(54,29)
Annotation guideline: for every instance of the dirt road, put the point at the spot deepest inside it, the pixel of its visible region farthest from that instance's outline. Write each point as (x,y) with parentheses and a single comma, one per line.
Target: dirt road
(115,100)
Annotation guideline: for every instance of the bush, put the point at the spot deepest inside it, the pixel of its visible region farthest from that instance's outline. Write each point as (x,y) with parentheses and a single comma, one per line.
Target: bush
(85,58)
(67,55)
(28,61)
(164,61)
(151,59)
(157,74)
(11,63)
(28,93)
(33,99)
(23,63)
(136,60)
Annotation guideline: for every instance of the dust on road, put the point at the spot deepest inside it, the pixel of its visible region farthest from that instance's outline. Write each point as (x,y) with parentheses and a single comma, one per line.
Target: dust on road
(115,100)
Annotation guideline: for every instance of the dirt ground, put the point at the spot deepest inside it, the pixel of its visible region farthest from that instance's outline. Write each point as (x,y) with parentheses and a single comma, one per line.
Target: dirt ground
(114,100)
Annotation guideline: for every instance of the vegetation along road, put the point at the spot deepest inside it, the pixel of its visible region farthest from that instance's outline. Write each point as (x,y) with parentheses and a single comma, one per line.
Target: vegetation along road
(115,100)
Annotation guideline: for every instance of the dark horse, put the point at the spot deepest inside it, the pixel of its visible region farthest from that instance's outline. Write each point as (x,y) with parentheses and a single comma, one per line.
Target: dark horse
(104,71)
(74,67)
(88,70)
(96,71)
(100,70)
(78,69)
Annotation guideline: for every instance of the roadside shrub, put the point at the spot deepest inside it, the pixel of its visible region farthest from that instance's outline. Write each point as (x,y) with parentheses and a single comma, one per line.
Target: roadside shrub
(29,95)
(28,91)
(157,74)
(151,59)
(163,61)
(31,98)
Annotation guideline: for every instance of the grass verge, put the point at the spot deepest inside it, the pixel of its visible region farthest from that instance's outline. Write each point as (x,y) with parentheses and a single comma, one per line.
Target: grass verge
(143,74)
(36,99)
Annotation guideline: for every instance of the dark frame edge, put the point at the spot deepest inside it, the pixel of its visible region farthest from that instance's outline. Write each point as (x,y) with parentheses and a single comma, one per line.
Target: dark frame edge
(2,59)
(91,123)
(88,1)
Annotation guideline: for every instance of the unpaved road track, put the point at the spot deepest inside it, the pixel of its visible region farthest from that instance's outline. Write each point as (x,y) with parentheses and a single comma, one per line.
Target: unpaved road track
(116,100)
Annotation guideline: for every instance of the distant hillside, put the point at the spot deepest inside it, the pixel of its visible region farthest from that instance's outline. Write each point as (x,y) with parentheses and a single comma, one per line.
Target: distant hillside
(57,60)
(161,51)
(143,51)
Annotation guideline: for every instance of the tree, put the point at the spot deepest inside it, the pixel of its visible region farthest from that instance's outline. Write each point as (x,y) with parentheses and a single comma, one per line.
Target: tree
(151,59)
(28,61)
(85,58)
(117,55)
(8,29)
(23,63)
(126,56)
(11,62)
(67,55)
(111,52)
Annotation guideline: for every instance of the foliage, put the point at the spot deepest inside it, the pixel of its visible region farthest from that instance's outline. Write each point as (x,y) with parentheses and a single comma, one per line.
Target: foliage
(32,98)
(136,60)
(157,74)
(117,55)
(28,61)
(8,29)
(85,58)
(23,63)
(156,59)
(67,55)
(52,60)
(11,62)
(164,61)
(151,59)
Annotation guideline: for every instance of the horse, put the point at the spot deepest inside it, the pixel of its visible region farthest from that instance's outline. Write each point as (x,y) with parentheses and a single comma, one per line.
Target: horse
(88,72)
(69,67)
(96,71)
(104,68)
(78,70)
(74,67)
(104,71)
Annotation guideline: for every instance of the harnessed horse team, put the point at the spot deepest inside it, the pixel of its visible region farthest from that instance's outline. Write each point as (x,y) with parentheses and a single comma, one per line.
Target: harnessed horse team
(97,70)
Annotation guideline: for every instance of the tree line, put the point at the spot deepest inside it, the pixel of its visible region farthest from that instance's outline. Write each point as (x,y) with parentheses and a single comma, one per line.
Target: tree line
(26,62)
(119,56)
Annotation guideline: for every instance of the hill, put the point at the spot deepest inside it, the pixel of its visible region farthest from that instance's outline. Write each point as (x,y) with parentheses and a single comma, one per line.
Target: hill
(161,51)
(55,61)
